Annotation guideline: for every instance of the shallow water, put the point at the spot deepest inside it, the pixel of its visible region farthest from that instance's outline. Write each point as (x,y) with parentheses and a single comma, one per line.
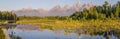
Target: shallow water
(34,32)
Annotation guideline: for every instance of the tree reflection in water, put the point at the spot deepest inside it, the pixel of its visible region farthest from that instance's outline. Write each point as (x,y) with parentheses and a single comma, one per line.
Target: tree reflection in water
(113,34)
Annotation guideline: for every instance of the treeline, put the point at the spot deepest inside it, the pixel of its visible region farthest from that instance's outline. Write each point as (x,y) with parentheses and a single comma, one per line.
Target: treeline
(46,17)
(5,15)
(99,12)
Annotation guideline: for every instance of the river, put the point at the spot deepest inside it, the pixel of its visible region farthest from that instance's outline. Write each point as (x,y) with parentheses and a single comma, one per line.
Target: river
(25,31)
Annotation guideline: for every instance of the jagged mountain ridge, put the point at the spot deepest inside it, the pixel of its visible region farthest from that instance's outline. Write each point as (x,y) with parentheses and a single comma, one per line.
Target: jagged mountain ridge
(67,10)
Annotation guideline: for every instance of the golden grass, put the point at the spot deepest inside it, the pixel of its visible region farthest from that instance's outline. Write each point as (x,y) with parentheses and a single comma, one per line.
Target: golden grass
(88,26)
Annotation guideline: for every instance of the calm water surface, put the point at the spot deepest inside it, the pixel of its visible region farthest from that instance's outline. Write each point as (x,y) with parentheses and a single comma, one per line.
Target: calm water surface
(35,32)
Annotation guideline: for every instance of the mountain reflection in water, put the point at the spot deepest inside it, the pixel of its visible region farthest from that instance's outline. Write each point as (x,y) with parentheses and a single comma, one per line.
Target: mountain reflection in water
(24,31)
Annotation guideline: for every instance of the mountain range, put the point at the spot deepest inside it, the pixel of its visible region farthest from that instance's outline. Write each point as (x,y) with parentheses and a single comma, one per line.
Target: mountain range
(57,10)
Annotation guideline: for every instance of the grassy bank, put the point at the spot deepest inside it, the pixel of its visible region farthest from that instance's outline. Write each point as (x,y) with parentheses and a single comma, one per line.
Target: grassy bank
(2,36)
(3,22)
(88,26)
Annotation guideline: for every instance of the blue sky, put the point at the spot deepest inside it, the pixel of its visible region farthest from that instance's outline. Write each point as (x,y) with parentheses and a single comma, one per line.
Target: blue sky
(45,4)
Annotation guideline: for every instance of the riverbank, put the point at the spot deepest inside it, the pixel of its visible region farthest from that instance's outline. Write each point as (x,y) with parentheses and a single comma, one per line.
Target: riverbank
(2,36)
(3,22)
(88,26)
